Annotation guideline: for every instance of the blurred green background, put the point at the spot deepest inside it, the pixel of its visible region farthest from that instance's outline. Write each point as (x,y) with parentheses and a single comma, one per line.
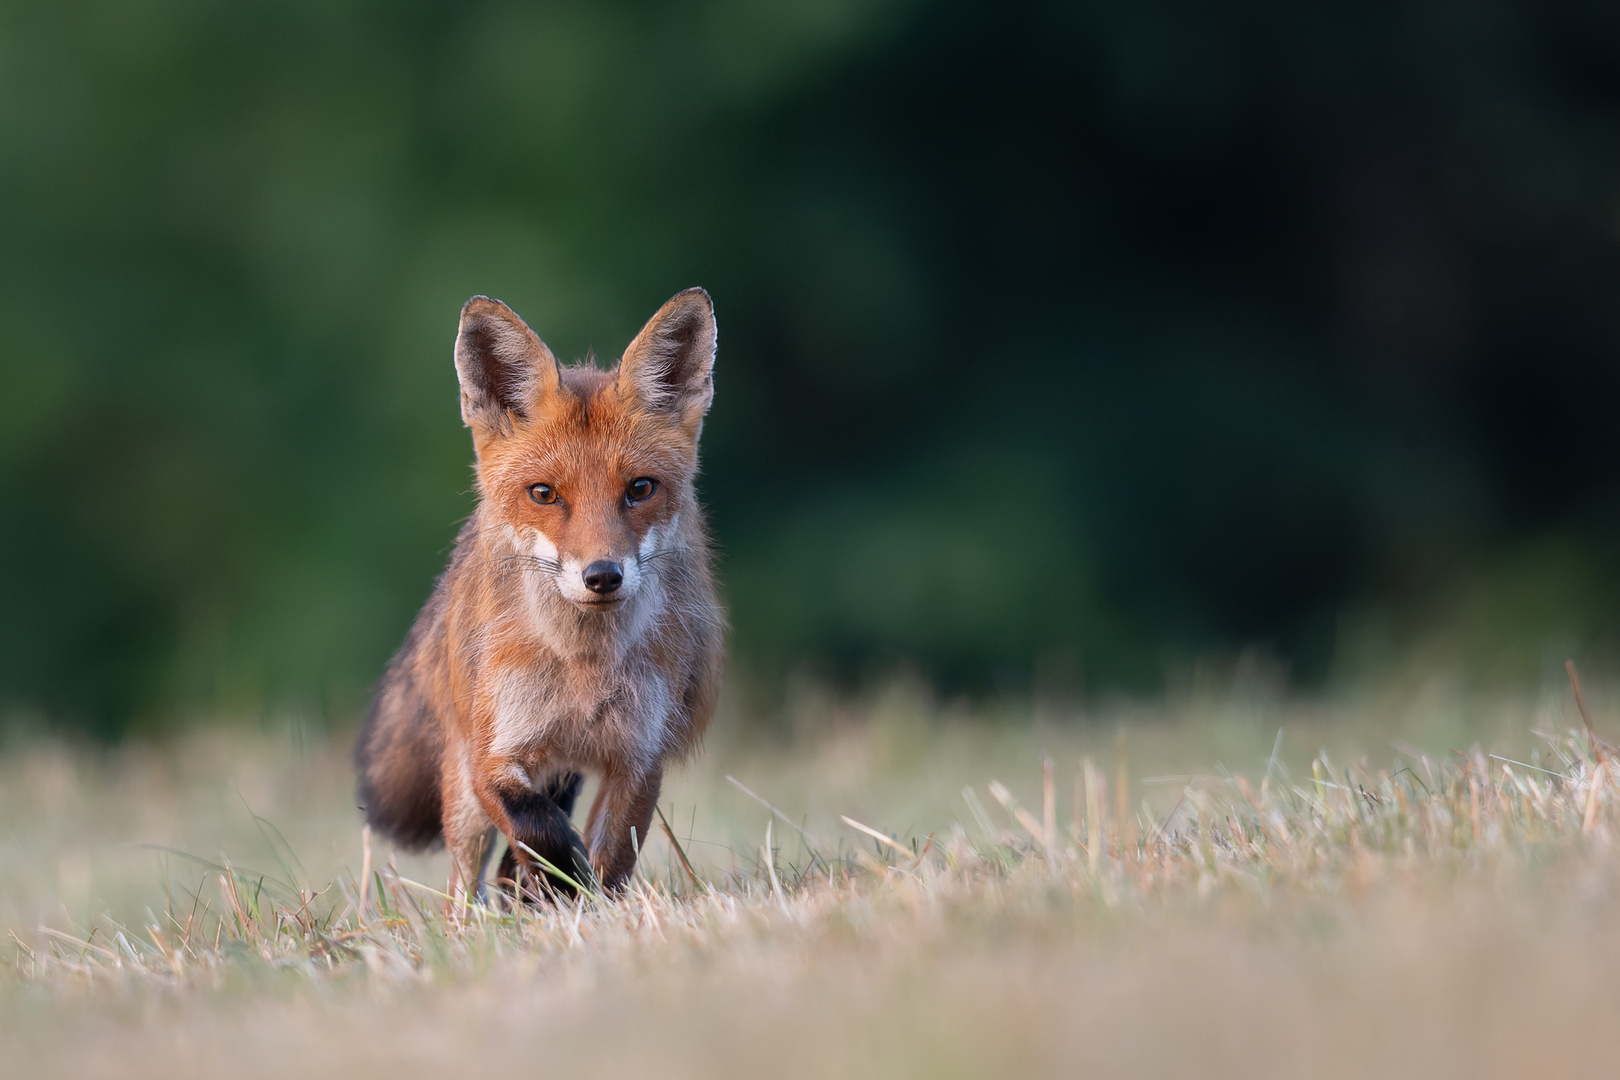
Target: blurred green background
(1059,341)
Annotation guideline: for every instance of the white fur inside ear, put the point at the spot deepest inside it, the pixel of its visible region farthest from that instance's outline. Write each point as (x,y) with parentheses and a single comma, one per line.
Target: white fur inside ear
(659,379)
(671,362)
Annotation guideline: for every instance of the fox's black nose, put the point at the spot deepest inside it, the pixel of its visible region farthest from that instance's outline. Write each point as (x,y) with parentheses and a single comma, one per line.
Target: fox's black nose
(604,577)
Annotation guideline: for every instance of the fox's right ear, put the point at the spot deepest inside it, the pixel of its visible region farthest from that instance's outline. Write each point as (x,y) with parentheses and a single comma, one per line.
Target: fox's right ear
(504,368)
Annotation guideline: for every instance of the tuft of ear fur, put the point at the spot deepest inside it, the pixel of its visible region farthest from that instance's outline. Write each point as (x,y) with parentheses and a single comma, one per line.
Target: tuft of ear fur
(670,364)
(504,368)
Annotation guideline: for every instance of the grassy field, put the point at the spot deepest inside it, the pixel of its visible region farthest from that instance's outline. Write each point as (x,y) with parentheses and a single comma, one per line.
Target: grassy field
(1226,883)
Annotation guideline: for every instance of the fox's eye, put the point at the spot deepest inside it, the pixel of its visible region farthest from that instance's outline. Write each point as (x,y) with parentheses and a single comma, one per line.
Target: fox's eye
(640,489)
(542,493)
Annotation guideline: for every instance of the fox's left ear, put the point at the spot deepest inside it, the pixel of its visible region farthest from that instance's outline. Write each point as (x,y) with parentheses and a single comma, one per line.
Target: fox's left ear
(670,364)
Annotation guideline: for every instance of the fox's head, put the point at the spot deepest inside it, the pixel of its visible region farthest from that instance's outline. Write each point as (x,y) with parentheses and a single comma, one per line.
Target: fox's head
(587,471)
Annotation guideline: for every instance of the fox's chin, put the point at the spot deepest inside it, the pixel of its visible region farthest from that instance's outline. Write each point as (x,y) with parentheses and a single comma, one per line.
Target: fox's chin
(604,604)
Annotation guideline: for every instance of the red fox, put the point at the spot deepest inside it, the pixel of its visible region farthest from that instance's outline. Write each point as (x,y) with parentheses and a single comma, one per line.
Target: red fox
(576,628)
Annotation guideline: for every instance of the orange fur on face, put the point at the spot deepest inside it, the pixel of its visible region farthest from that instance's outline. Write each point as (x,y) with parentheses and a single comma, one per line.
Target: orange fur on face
(523,670)
(588,442)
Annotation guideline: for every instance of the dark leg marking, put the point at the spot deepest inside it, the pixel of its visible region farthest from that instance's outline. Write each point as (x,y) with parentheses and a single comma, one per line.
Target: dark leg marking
(540,820)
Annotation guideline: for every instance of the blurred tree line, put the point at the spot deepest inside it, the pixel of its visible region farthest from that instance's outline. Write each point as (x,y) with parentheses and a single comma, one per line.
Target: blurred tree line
(1105,333)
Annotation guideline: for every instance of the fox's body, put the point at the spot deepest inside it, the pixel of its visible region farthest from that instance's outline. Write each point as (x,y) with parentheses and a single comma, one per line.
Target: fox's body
(576,629)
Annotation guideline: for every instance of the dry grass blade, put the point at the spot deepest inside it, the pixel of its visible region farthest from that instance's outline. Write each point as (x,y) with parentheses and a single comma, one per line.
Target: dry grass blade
(680,852)
(556,871)
(769,855)
(810,845)
(928,845)
(1096,799)
(1601,749)
(365,870)
(1036,830)
(1599,778)
(1048,806)
(874,834)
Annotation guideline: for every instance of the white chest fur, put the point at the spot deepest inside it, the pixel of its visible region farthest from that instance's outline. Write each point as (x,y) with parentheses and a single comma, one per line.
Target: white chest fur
(554,715)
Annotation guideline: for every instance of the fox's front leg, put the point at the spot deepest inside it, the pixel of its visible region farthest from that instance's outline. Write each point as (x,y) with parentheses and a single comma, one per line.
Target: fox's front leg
(624,802)
(469,834)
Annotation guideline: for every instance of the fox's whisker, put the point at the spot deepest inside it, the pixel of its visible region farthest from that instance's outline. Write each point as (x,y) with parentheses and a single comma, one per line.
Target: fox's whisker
(523,557)
(530,563)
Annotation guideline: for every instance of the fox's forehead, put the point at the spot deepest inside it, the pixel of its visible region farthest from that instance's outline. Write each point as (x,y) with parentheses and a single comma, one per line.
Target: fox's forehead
(585,383)
(588,432)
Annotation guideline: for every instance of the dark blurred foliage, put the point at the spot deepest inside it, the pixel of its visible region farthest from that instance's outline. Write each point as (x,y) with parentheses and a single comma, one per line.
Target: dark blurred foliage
(1103,333)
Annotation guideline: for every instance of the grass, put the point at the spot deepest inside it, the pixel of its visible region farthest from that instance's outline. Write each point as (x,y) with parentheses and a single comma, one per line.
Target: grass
(935,893)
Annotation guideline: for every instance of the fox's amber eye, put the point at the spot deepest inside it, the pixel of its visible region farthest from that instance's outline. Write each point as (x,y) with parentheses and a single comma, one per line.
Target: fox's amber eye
(640,489)
(542,493)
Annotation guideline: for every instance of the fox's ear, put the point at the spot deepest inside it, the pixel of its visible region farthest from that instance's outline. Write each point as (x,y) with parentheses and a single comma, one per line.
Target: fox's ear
(670,365)
(503,367)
